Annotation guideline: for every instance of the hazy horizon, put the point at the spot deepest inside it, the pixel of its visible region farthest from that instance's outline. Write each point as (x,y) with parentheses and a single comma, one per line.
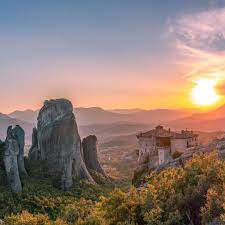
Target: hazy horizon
(114,109)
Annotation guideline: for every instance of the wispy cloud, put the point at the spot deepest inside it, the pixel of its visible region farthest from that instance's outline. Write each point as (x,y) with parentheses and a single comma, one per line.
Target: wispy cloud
(202,30)
(200,38)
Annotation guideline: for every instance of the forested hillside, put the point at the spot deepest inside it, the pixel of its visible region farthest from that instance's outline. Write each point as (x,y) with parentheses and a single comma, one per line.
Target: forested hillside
(193,194)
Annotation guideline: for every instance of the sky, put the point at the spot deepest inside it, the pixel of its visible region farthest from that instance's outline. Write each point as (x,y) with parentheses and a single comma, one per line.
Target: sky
(112,54)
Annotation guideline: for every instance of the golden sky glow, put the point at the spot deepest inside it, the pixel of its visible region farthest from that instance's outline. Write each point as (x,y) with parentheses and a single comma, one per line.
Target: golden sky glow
(204,93)
(149,55)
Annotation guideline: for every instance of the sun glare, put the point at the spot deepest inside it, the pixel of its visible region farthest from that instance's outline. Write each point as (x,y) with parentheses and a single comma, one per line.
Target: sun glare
(204,93)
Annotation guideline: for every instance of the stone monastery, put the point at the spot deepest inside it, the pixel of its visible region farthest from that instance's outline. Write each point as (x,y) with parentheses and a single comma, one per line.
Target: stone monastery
(157,146)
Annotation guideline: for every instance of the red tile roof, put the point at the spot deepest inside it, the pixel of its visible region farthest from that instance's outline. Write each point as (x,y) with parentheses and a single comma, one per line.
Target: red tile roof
(159,131)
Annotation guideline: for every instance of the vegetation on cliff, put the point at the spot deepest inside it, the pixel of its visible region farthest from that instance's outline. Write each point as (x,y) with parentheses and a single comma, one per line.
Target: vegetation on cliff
(194,194)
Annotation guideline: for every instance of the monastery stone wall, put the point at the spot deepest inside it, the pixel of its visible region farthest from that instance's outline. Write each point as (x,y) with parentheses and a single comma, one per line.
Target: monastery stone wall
(179,145)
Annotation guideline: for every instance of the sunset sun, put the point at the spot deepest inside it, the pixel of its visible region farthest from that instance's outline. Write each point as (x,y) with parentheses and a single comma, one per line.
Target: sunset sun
(204,93)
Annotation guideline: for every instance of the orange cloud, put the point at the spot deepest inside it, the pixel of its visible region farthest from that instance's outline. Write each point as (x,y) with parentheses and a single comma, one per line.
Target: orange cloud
(200,40)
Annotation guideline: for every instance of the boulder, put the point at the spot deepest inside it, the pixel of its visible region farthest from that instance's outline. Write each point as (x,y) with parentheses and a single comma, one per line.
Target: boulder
(11,152)
(34,152)
(90,152)
(20,138)
(59,142)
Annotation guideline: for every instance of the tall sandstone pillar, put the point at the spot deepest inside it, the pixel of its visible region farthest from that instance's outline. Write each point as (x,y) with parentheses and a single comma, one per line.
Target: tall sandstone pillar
(90,152)
(59,142)
(20,138)
(11,152)
(34,152)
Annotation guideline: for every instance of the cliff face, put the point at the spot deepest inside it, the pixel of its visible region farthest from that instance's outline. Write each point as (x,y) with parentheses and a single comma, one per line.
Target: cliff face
(59,142)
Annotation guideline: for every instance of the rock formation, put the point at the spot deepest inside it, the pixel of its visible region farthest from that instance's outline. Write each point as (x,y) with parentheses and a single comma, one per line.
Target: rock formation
(10,157)
(90,151)
(59,142)
(20,138)
(2,167)
(34,153)
(2,147)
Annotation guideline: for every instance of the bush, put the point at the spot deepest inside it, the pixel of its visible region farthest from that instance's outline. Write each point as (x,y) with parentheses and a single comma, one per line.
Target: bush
(190,195)
(194,194)
(176,154)
(121,208)
(186,195)
(139,175)
(77,212)
(25,218)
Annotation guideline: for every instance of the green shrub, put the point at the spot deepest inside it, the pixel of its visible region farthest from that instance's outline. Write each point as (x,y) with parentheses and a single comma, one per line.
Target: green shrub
(79,212)
(176,154)
(121,208)
(193,194)
(190,195)
(139,176)
(25,218)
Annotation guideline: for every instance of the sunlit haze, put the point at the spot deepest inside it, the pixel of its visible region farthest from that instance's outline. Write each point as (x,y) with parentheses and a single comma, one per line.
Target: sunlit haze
(112,54)
(204,93)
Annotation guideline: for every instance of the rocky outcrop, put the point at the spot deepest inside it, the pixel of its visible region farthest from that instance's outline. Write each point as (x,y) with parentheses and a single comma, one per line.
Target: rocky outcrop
(10,157)
(59,142)
(2,147)
(20,138)
(2,167)
(34,152)
(90,151)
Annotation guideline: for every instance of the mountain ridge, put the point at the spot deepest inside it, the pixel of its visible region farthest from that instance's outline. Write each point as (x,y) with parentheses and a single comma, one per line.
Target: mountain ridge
(6,121)
(27,115)
(93,115)
(104,122)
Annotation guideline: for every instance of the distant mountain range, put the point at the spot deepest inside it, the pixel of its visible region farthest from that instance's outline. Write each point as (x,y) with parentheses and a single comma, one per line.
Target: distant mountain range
(26,115)
(211,121)
(96,115)
(97,120)
(6,121)
(127,111)
(105,123)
